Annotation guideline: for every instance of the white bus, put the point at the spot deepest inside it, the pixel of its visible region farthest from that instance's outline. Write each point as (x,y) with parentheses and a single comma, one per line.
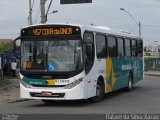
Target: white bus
(70,62)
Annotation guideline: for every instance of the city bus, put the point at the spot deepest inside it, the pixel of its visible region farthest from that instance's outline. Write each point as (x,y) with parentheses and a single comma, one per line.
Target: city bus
(72,62)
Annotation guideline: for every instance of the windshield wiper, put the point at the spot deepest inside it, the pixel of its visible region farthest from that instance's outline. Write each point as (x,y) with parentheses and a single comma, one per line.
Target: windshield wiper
(70,45)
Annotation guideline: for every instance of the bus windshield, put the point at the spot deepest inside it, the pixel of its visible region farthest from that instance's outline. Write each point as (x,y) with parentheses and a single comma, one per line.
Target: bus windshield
(52,55)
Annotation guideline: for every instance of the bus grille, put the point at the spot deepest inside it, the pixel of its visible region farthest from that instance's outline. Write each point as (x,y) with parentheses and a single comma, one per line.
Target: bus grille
(54,95)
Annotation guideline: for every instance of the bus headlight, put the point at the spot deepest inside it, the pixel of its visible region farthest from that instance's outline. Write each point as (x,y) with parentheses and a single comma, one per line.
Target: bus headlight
(73,84)
(25,84)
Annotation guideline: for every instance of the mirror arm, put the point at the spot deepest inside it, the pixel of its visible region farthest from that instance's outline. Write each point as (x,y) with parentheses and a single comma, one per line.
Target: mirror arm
(14,44)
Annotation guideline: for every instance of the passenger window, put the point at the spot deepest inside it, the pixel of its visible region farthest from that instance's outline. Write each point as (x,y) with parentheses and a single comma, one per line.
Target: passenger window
(134,48)
(140,48)
(112,47)
(120,44)
(128,47)
(101,46)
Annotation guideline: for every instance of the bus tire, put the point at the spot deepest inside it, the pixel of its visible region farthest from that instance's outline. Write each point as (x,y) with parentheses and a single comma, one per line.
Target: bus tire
(99,92)
(130,82)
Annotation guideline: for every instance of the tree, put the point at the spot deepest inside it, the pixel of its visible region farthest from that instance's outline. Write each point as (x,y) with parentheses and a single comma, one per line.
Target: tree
(5,47)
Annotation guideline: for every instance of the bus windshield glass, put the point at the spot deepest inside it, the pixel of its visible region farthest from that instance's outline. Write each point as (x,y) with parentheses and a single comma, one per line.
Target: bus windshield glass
(52,55)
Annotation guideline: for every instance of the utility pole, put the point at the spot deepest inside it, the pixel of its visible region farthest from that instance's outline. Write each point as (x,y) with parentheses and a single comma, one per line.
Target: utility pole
(139,24)
(42,6)
(30,13)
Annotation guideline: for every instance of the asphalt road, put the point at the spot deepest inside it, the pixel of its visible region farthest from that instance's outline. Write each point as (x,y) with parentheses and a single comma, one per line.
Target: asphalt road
(145,98)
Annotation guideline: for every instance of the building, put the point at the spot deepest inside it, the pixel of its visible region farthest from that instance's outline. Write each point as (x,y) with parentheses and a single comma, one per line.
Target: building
(5,41)
(152,57)
(152,48)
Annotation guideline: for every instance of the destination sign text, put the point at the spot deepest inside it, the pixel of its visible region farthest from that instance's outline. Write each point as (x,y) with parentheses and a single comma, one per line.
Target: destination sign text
(52,31)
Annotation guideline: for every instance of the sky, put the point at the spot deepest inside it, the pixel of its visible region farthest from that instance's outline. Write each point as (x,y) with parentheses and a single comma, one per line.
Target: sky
(14,16)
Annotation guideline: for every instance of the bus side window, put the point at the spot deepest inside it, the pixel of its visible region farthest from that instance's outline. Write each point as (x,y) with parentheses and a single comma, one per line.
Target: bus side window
(88,51)
(128,47)
(112,46)
(101,46)
(120,43)
(134,48)
(140,48)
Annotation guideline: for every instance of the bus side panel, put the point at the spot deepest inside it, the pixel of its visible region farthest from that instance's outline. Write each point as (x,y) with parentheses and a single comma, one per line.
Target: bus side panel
(123,67)
(118,69)
(138,69)
(116,78)
(91,78)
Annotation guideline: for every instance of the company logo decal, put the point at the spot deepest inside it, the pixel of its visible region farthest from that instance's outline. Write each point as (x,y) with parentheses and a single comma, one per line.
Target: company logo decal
(110,75)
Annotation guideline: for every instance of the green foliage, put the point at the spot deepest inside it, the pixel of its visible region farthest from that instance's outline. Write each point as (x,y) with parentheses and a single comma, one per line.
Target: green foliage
(5,47)
(147,63)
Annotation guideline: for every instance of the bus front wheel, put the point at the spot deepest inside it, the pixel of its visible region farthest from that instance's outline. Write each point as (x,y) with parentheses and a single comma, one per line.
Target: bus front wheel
(99,92)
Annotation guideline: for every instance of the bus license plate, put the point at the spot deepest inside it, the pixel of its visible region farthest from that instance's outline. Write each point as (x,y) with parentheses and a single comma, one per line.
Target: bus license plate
(46,93)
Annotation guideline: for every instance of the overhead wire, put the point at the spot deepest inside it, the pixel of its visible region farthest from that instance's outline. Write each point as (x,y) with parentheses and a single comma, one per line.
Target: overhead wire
(133,28)
(151,25)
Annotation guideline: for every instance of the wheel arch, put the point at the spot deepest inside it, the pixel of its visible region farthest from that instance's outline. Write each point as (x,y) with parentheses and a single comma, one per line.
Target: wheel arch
(101,78)
(131,73)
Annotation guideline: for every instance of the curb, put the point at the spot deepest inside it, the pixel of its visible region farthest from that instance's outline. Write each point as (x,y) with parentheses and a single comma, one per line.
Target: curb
(153,75)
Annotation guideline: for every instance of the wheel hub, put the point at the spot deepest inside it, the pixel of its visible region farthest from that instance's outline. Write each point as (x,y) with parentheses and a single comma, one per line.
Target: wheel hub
(98,90)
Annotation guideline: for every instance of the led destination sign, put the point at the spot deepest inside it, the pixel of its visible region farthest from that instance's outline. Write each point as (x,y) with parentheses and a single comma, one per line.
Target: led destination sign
(51,31)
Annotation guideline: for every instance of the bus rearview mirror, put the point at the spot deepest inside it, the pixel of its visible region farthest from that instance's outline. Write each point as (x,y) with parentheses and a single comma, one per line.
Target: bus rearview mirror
(16,44)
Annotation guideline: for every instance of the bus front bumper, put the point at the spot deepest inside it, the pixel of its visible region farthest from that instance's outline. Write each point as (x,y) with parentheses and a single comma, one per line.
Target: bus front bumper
(74,93)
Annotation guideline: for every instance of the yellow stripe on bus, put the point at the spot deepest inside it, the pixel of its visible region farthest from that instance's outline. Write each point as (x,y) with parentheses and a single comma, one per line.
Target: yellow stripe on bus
(108,68)
(110,73)
(51,82)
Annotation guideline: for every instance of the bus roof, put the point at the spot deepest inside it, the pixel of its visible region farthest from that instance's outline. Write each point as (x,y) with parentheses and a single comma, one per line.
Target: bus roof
(107,30)
(100,29)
